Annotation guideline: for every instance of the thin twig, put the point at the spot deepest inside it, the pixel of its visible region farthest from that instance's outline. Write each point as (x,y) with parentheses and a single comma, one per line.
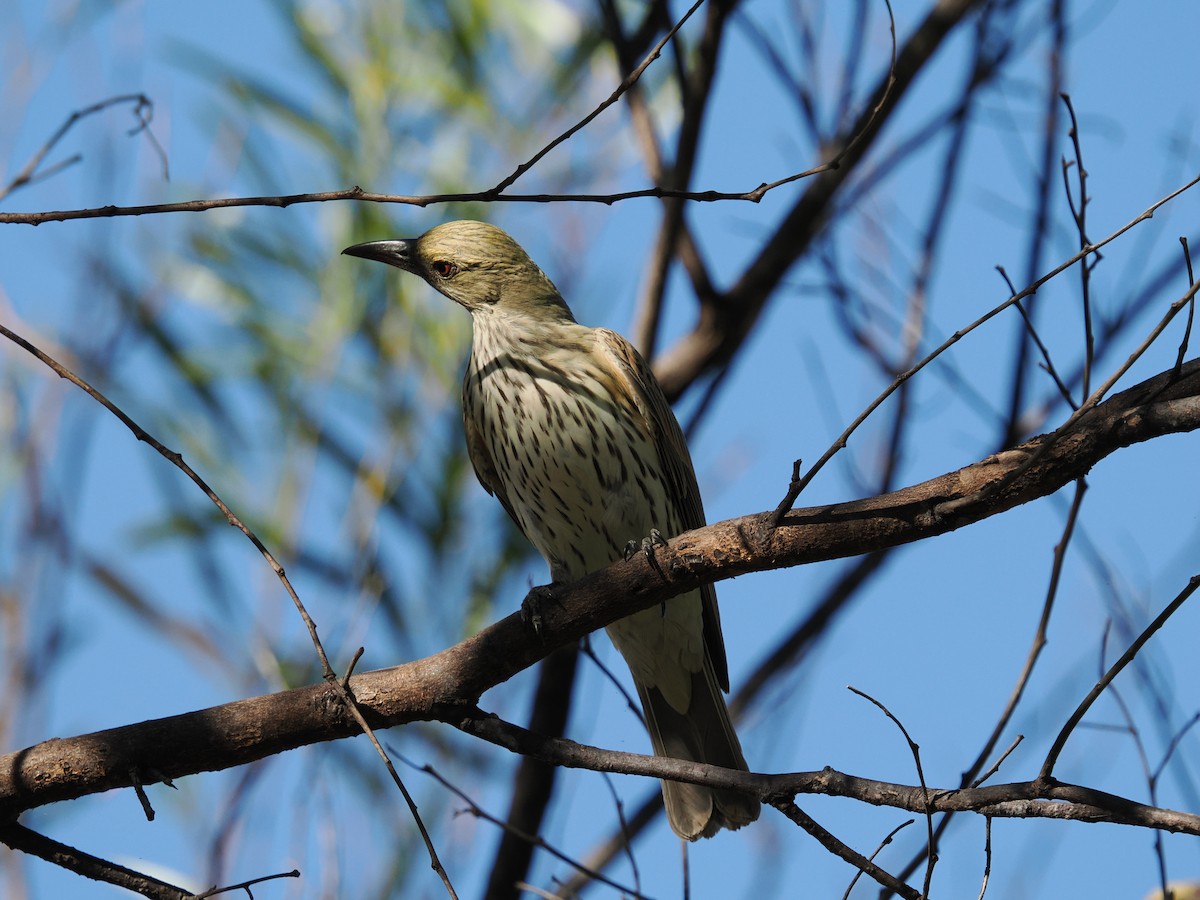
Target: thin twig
(1187,331)
(1035,650)
(1039,637)
(535,840)
(844,438)
(283,201)
(1079,213)
(246,885)
(1047,363)
(177,460)
(351,704)
(135,778)
(626,83)
(610,676)
(143,110)
(623,825)
(827,840)
(350,668)
(1143,755)
(887,840)
(1096,397)
(915,750)
(1046,773)
(789,499)
(987,855)
(1173,745)
(995,767)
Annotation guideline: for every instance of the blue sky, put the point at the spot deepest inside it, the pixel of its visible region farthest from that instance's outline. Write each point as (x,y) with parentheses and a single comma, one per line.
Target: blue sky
(938,637)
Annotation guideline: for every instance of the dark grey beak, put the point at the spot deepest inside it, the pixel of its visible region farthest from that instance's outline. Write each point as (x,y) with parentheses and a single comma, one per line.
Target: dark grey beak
(401,254)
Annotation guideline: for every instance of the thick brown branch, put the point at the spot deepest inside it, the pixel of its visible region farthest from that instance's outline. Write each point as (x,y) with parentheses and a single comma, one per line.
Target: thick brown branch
(445,686)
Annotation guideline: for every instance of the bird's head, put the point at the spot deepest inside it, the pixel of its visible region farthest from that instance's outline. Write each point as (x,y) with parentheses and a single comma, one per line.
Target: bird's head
(476,265)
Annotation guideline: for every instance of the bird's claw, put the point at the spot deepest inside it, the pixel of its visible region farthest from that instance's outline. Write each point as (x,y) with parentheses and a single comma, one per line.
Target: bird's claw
(647,545)
(535,602)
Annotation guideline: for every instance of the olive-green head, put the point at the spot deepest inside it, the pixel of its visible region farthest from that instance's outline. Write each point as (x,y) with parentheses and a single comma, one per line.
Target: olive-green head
(476,265)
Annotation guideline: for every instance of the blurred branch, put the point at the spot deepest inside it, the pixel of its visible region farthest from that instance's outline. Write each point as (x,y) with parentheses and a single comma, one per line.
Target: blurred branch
(1127,657)
(531,838)
(626,83)
(1039,642)
(674,236)
(898,382)
(176,459)
(723,326)
(1036,235)
(446,685)
(143,111)
(344,697)
(533,786)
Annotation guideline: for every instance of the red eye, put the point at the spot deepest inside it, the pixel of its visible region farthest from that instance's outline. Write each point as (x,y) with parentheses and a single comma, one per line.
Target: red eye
(444,269)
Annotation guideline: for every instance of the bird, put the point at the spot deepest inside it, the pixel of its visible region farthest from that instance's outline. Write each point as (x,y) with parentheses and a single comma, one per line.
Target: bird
(568,428)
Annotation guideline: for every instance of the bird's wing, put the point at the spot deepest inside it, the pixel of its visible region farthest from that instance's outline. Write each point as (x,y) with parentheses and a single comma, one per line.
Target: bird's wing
(481,459)
(633,378)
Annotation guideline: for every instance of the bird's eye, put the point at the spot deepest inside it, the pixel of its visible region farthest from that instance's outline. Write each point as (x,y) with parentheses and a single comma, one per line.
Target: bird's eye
(444,269)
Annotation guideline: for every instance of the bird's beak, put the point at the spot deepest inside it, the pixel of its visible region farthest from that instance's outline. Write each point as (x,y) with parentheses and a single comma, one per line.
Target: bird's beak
(401,254)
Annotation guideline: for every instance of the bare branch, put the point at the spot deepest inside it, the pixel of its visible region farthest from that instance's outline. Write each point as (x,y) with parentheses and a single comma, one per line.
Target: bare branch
(445,686)
(1187,331)
(915,750)
(282,201)
(844,437)
(836,847)
(532,838)
(626,83)
(143,111)
(18,837)
(1114,670)
(176,459)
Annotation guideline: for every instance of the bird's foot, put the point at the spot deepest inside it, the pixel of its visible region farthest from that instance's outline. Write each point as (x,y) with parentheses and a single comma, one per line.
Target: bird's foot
(647,545)
(535,602)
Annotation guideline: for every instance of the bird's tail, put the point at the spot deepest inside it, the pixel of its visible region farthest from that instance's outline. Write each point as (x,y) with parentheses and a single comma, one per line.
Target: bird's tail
(703,734)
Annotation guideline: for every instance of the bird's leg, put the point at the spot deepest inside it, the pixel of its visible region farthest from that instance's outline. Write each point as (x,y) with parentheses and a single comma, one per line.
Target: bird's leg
(535,601)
